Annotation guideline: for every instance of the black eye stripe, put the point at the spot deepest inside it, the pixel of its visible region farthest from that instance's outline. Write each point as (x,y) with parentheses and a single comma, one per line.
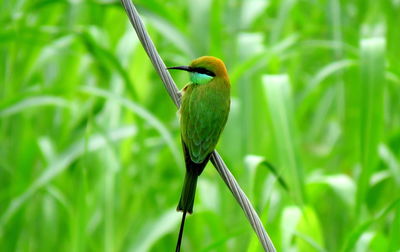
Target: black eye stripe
(202,71)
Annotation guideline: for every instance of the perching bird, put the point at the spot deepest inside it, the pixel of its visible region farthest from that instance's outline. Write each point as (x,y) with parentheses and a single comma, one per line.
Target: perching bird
(203,114)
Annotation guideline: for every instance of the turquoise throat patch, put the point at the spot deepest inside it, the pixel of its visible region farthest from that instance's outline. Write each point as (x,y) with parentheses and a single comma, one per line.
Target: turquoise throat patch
(199,78)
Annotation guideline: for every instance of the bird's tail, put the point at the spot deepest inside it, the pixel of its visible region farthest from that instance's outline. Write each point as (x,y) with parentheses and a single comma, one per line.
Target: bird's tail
(188,191)
(178,243)
(193,171)
(187,199)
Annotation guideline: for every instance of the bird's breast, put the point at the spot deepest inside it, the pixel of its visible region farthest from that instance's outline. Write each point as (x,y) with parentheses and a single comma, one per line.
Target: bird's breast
(204,112)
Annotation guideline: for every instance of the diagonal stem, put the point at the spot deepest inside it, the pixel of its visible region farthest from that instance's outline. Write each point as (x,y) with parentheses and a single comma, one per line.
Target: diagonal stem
(216,159)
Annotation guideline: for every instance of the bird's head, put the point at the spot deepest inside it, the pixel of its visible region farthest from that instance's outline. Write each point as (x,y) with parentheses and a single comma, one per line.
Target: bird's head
(204,69)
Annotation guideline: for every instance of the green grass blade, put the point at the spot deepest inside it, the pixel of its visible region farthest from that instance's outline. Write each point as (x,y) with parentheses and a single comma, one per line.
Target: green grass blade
(372,83)
(391,161)
(61,163)
(153,230)
(291,217)
(394,244)
(280,105)
(362,228)
(364,242)
(325,73)
(253,163)
(32,102)
(171,33)
(142,112)
(341,184)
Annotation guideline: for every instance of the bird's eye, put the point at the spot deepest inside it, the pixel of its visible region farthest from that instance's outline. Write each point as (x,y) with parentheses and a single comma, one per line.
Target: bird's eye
(202,70)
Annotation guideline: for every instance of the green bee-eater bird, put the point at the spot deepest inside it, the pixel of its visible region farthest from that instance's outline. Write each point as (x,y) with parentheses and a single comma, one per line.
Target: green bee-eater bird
(203,114)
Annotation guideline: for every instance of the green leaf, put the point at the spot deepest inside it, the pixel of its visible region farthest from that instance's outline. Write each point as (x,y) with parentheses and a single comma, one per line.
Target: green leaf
(32,102)
(142,112)
(394,244)
(393,164)
(288,224)
(280,105)
(153,230)
(61,163)
(253,163)
(341,184)
(372,83)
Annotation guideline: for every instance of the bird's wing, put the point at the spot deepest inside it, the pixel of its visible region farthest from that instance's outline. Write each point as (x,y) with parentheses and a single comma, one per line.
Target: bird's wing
(203,117)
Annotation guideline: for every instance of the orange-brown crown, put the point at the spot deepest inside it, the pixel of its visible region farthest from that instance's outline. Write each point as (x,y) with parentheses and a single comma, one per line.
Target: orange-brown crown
(212,64)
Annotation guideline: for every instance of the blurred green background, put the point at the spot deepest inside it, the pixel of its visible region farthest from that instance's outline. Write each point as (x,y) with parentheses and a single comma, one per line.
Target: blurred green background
(90,156)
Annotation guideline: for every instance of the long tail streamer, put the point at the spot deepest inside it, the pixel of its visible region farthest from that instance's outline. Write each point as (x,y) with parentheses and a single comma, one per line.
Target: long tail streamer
(178,244)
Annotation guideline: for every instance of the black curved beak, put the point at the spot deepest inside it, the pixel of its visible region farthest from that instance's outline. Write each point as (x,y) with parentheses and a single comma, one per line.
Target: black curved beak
(184,68)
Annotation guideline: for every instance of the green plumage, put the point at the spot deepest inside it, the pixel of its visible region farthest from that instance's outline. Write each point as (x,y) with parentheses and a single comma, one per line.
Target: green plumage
(204,112)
